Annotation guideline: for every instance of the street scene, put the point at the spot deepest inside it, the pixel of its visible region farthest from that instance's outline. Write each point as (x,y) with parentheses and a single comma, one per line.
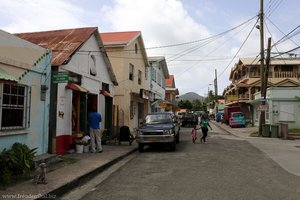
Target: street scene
(227,167)
(153,99)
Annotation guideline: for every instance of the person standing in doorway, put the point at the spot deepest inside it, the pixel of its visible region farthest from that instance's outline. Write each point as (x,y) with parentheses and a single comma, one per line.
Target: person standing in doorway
(204,124)
(94,121)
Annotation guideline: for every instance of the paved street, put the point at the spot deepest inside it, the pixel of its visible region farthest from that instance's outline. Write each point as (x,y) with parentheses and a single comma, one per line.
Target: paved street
(225,168)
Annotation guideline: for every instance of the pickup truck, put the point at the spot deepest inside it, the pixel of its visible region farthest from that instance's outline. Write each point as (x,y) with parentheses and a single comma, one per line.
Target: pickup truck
(159,127)
(189,119)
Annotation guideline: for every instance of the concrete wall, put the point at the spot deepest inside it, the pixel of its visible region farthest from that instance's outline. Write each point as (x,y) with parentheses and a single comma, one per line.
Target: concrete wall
(283,106)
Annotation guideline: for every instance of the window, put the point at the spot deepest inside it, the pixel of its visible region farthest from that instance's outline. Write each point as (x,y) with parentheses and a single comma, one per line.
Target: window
(146,72)
(13,106)
(153,75)
(159,79)
(287,68)
(131,71)
(93,70)
(140,77)
(136,48)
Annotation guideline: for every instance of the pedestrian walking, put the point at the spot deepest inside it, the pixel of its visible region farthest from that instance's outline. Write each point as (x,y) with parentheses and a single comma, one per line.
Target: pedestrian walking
(204,124)
(194,133)
(94,122)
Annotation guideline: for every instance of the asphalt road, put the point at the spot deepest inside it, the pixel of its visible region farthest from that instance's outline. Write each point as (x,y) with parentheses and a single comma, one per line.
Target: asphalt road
(224,168)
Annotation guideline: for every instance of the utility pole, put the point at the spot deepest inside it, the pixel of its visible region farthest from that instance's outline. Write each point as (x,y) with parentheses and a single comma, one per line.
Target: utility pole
(262,119)
(216,92)
(216,84)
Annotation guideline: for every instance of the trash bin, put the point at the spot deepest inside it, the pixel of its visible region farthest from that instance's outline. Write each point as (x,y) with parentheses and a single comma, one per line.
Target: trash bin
(266,130)
(283,131)
(274,131)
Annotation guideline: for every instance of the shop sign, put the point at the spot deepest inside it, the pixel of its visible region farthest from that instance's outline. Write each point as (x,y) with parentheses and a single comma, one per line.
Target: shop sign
(232,97)
(60,78)
(262,107)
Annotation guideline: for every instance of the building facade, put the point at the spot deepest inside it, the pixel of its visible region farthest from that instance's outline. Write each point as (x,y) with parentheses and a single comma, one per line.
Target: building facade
(246,82)
(25,73)
(82,78)
(157,76)
(127,54)
(171,94)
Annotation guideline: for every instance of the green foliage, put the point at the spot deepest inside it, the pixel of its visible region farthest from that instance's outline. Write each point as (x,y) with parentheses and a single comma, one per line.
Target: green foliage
(22,158)
(16,162)
(5,164)
(195,105)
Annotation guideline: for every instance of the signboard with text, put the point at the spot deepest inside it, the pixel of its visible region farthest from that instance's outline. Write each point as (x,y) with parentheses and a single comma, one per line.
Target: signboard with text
(60,78)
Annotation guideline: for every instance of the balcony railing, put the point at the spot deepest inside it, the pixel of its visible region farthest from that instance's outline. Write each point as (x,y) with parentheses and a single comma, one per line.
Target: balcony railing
(285,75)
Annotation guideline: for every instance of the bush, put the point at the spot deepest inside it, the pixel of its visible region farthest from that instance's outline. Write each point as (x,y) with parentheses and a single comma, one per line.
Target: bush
(16,162)
(5,165)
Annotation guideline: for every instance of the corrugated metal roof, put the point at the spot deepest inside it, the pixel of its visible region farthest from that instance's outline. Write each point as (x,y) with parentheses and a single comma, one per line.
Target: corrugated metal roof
(119,38)
(63,43)
(6,76)
(170,81)
(274,61)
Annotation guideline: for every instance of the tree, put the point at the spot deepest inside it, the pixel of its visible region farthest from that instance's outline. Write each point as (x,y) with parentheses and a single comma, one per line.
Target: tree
(185,104)
(197,105)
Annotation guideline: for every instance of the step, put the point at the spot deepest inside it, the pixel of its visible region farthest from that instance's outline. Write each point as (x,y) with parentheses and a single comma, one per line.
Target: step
(46,158)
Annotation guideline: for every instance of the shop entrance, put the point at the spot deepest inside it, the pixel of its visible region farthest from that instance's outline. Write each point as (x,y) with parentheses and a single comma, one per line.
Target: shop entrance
(79,112)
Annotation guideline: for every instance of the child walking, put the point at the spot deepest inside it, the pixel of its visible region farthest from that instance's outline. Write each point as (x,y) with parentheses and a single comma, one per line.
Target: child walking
(204,123)
(194,134)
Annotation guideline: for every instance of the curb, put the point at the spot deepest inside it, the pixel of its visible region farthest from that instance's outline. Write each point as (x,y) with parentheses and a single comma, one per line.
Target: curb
(224,129)
(84,178)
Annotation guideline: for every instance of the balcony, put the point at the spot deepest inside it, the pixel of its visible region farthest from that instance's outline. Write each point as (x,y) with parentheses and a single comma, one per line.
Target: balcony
(243,96)
(285,75)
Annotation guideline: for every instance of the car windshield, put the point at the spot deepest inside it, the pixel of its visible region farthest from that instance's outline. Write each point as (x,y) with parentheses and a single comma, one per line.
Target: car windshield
(238,115)
(158,118)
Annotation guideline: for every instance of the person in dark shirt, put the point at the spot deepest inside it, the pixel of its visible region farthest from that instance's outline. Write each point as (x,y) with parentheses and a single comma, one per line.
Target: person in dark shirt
(204,124)
(94,122)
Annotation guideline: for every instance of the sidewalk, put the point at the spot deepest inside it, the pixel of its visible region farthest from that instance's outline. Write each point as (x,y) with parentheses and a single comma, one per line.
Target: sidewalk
(286,153)
(69,176)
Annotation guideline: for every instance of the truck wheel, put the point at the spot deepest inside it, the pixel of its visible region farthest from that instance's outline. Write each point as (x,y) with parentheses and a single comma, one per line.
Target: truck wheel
(141,147)
(173,145)
(177,137)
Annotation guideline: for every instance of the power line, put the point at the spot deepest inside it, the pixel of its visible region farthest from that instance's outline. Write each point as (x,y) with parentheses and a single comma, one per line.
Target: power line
(269,20)
(191,42)
(288,36)
(238,49)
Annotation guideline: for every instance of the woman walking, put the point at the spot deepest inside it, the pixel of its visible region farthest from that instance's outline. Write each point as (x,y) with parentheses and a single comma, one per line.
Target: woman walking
(204,123)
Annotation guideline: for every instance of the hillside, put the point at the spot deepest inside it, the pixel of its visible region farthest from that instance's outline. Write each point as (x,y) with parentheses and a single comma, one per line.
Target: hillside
(190,96)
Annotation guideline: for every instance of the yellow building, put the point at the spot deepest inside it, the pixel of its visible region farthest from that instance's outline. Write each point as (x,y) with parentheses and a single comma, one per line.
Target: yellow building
(127,54)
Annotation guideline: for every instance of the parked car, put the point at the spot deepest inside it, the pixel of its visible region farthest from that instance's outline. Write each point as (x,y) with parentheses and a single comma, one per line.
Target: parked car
(237,119)
(189,119)
(161,127)
(218,116)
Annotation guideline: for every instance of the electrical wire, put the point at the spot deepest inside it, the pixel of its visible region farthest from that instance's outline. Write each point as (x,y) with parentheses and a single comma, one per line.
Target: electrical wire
(269,20)
(239,49)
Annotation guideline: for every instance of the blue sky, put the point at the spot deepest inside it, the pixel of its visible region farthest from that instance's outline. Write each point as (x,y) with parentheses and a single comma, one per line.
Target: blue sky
(165,22)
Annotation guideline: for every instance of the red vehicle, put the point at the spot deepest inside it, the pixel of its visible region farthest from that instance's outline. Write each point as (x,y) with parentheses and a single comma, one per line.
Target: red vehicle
(228,111)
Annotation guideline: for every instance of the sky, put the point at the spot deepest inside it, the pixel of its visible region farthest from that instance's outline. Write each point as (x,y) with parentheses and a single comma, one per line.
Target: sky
(199,38)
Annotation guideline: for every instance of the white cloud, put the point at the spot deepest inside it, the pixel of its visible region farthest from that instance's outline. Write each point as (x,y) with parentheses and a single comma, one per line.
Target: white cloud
(163,22)
(37,15)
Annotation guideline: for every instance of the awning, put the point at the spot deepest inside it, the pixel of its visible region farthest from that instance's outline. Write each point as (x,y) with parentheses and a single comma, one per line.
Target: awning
(6,76)
(105,93)
(74,86)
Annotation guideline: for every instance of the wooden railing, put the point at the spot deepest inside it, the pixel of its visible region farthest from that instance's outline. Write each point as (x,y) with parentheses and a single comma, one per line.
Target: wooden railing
(285,75)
